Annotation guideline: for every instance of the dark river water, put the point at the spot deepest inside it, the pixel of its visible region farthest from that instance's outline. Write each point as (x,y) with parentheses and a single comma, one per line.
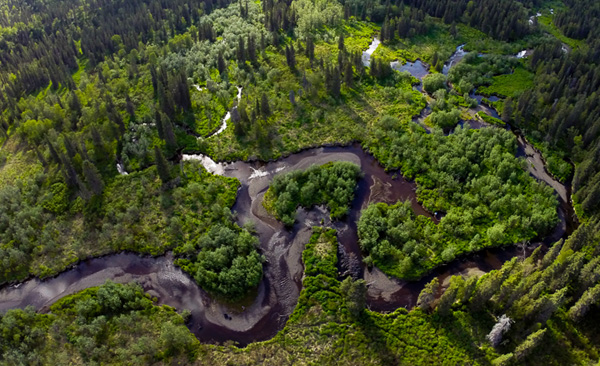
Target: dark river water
(266,309)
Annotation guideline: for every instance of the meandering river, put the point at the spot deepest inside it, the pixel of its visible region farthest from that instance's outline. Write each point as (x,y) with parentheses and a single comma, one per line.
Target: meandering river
(268,308)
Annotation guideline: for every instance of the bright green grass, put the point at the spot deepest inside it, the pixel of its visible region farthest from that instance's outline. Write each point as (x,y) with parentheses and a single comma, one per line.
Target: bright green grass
(489,119)
(438,39)
(547,24)
(509,85)
(358,35)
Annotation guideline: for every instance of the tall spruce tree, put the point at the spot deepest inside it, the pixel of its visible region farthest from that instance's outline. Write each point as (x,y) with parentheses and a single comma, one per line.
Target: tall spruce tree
(349,75)
(265,109)
(169,134)
(162,166)
(92,177)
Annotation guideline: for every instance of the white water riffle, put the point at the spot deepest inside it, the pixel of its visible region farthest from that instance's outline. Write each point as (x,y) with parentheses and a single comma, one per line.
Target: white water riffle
(209,164)
(533,17)
(228,114)
(258,173)
(366,55)
(455,58)
(121,169)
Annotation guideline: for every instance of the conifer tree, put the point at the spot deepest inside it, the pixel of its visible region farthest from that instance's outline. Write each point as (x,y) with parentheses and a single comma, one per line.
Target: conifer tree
(435,58)
(69,147)
(53,151)
(469,287)
(92,177)
(582,306)
(252,49)
(341,45)
(336,83)
(159,124)
(427,295)
(290,55)
(238,125)
(99,149)
(310,49)
(165,100)
(532,341)
(449,296)
(162,166)
(507,110)
(183,91)
(129,107)
(243,111)
(356,295)
(241,51)
(349,75)
(221,66)
(264,105)
(169,134)
(69,171)
(75,108)
(40,157)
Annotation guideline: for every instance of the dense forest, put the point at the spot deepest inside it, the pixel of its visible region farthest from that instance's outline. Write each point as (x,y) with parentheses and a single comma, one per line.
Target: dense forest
(111,111)
(331,184)
(487,200)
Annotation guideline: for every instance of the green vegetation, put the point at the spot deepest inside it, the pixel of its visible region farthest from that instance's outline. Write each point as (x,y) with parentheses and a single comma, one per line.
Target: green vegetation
(474,178)
(535,293)
(111,324)
(497,105)
(556,162)
(332,184)
(489,119)
(548,26)
(311,102)
(510,85)
(87,84)
(474,71)
(227,262)
(443,119)
(45,230)
(434,82)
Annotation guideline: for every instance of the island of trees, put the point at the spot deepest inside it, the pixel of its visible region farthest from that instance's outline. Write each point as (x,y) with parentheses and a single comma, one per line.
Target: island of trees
(100,101)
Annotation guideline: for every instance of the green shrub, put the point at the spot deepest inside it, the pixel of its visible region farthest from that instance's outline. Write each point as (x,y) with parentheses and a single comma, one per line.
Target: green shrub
(227,263)
(433,82)
(332,184)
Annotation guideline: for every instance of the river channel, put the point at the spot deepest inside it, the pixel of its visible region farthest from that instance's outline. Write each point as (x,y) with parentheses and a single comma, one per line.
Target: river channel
(265,312)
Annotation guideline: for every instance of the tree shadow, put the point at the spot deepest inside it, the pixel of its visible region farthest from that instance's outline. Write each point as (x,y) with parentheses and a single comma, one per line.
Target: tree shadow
(460,335)
(377,338)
